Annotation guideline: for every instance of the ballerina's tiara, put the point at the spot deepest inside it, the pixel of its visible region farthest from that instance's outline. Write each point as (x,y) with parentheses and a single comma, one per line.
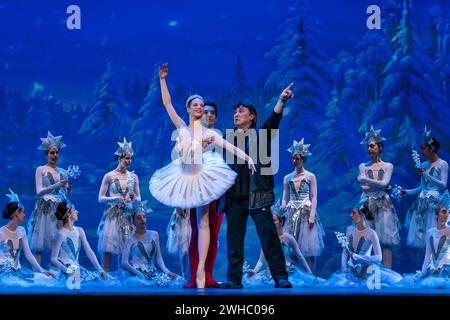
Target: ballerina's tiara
(427,139)
(124,148)
(192,97)
(51,141)
(299,147)
(373,135)
(13,197)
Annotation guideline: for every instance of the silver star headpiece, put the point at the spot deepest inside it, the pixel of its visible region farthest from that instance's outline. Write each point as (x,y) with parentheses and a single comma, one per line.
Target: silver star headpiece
(299,147)
(51,141)
(124,148)
(373,135)
(13,197)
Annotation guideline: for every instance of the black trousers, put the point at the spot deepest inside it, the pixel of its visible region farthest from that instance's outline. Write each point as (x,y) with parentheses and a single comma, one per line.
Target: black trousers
(237,216)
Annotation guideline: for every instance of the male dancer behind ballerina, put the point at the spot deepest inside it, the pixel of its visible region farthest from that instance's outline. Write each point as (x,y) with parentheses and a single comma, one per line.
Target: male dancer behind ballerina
(215,220)
(253,195)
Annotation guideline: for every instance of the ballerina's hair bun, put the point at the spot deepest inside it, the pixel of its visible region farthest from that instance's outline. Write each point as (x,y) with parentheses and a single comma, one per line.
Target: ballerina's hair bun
(364,209)
(9,210)
(61,211)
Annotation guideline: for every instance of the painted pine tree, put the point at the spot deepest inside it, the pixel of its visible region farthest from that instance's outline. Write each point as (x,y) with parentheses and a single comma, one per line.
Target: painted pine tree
(299,59)
(108,118)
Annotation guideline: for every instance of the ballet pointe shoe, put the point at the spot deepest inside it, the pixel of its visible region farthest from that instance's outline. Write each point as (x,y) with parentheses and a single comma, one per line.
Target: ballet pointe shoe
(200,277)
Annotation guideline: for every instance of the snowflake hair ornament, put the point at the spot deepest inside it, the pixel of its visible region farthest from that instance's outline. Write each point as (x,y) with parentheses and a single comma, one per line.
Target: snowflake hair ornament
(426,138)
(373,136)
(299,147)
(141,206)
(51,142)
(124,148)
(13,197)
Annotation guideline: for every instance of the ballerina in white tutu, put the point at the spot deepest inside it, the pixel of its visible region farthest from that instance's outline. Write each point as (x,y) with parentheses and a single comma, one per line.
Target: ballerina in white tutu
(196,177)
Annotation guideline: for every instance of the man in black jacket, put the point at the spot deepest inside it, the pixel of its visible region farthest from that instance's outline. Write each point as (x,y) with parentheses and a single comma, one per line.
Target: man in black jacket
(253,194)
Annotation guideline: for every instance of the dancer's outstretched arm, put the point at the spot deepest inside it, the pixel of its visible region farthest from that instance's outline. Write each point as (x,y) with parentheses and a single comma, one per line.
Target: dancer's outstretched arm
(286,94)
(298,254)
(222,143)
(32,260)
(160,260)
(259,264)
(167,100)
(91,255)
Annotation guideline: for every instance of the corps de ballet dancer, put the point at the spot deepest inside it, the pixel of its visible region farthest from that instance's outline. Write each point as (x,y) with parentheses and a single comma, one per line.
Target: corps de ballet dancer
(374,179)
(119,188)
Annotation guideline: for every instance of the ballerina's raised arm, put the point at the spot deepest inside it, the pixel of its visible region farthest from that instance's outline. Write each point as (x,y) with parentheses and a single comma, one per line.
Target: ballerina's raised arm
(222,143)
(167,100)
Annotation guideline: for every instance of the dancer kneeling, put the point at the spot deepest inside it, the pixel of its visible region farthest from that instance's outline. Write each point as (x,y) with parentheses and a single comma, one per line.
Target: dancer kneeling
(298,269)
(13,239)
(142,248)
(357,262)
(435,271)
(67,244)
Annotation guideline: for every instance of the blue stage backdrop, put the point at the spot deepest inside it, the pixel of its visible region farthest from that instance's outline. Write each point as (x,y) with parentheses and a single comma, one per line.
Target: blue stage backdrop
(98,84)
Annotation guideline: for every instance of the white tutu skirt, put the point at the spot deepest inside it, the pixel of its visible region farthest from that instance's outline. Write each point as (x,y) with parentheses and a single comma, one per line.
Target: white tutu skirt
(186,186)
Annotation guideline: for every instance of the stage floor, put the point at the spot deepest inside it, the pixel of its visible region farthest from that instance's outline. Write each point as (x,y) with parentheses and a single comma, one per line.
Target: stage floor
(263,291)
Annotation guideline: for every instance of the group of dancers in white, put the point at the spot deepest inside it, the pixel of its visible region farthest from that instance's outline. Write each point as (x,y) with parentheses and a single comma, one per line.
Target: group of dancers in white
(202,187)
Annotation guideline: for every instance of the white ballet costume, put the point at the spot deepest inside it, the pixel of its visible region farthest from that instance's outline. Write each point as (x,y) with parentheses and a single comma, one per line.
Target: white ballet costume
(435,273)
(421,215)
(195,178)
(364,264)
(12,244)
